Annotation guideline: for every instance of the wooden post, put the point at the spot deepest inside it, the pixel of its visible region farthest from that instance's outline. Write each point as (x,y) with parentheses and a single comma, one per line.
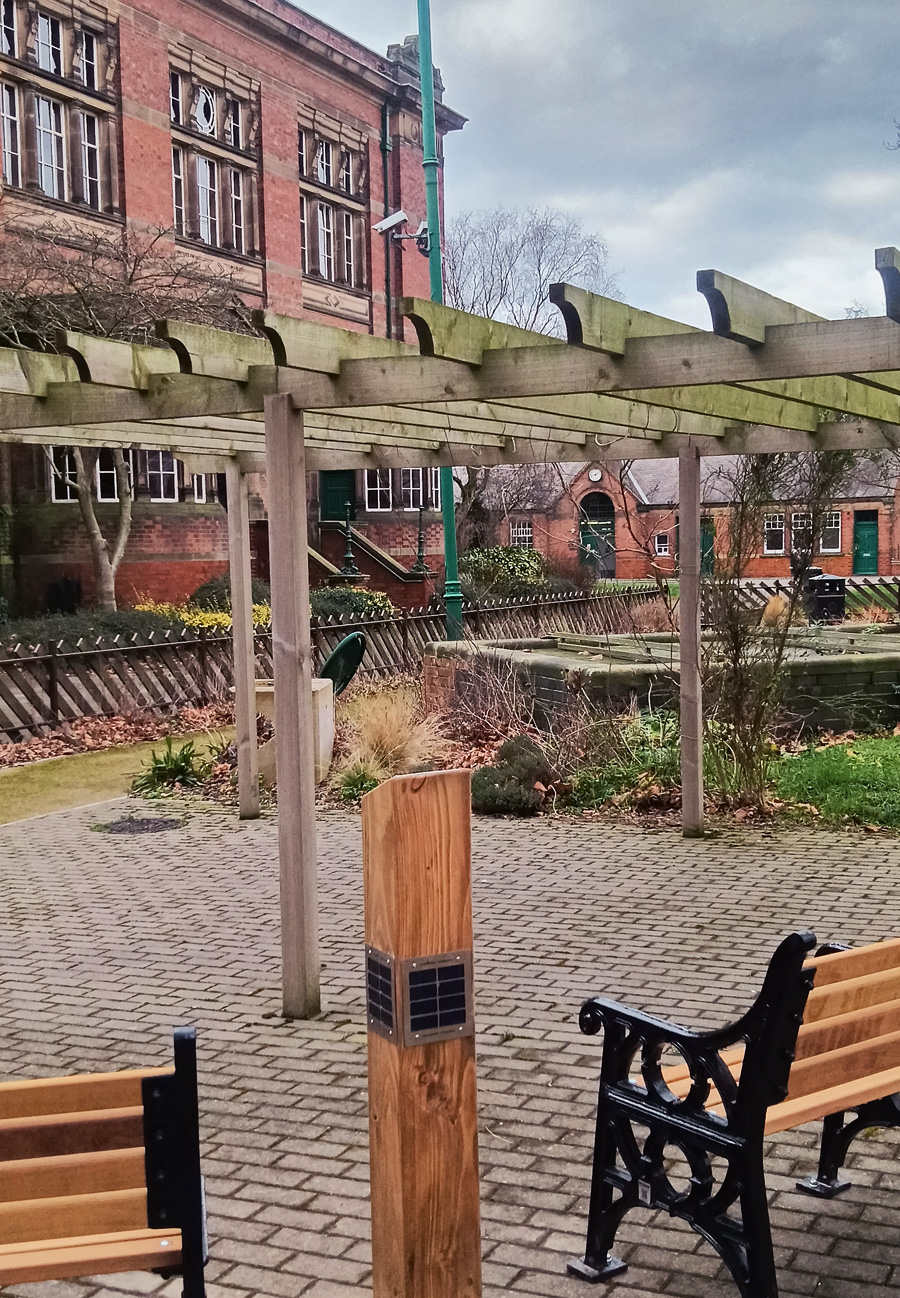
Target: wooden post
(423,1130)
(242,642)
(294,750)
(689,642)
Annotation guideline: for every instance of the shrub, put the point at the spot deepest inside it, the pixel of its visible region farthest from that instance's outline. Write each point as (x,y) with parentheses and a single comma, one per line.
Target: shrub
(215,594)
(172,766)
(525,760)
(496,791)
(352,601)
(211,619)
(356,780)
(505,570)
(89,625)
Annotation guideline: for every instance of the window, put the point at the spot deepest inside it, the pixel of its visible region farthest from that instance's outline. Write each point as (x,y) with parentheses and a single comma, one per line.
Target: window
(801,532)
(349,249)
(51,156)
(49,44)
(178,190)
(8,41)
(89,60)
(9,128)
(434,483)
(107,484)
(205,112)
(378,490)
(304,236)
(324,163)
(326,241)
(773,535)
(661,543)
(237,210)
(90,160)
(175,98)
(233,125)
(345,179)
(208,200)
(830,541)
(521,534)
(301,152)
(62,474)
(411,492)
(199,483)
(162,476)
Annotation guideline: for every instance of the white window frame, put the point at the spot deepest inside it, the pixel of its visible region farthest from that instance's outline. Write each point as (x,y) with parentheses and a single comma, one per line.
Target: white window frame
(62,489)
(379,491)
(209,122)
(198,482)
(164,466)
(345,172)
(349,248)
(178,189)
(801,521)
(771,526)
(304,234)
(521,534)
(51,147)
(412,490)
(48,47)
(301,151)
(325,163)
(207,200)
(89,60)
(661,544)
(10,133)
(89,130)
(234,125)
(326,241)
(9,35)
(434,485)
(176,102)
(107,478)
(236,185)
(828,526)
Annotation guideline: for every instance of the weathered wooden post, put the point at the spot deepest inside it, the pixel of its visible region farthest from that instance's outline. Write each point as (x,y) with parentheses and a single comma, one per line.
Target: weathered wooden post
(242,641)
(423,1134)
(689,642)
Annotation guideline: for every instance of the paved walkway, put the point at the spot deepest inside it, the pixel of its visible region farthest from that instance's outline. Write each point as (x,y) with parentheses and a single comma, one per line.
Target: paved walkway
(106,941)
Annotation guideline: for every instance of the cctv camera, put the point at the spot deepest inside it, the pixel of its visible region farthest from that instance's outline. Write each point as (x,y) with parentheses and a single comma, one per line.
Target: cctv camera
(390,222)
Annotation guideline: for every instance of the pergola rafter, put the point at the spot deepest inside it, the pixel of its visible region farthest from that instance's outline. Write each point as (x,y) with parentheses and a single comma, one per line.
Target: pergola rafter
(296,396)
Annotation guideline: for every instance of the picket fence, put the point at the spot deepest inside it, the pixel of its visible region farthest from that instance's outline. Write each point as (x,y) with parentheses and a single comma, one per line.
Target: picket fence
(45,685)
(882,592)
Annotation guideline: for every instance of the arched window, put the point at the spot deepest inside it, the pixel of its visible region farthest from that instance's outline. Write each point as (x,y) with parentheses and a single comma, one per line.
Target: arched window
(597,533)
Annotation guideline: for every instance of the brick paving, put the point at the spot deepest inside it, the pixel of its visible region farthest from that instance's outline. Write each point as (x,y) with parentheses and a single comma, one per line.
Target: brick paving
(106,941)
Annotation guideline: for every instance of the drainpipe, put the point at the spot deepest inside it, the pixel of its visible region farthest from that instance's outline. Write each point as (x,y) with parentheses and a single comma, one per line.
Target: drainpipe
(386,148)
(431,165)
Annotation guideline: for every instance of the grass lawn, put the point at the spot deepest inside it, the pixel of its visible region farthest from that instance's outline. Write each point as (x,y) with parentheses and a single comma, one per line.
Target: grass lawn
(75,781)
(859,780)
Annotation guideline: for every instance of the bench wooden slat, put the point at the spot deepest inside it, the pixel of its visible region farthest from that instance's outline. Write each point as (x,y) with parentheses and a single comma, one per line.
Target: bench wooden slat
(809,1108)
(69,1216)
(822,1072)
(34,1096)
(853,994)
(67,1133)
(846,1029)
(855,963)
(46,1178)
(89,1255)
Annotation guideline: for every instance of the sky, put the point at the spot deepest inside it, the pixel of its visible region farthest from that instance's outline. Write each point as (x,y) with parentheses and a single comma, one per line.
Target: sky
(746,136)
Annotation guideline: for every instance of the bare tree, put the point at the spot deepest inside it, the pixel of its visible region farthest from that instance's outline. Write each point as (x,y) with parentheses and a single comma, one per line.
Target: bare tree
(112,284)
(501,264)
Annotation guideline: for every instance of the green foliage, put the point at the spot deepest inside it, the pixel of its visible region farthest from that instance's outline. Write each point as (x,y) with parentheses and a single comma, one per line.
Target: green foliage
(497,791)
(4,611)
(858,781)
(172,766)
(88,625)
(215,594)
(352,601)
(356,780)
(628,753)
(525,760)
(505,570)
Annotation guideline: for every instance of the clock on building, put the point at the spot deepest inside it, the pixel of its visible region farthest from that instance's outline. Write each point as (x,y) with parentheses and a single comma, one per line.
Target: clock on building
(595,475)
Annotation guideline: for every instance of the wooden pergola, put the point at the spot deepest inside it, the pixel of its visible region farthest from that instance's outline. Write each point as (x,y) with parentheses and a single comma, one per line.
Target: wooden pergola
(301,397)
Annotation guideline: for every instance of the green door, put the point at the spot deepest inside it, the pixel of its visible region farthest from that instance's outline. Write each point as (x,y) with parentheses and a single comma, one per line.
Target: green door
(865,543)
(707,547)
(337,490)
(597,533)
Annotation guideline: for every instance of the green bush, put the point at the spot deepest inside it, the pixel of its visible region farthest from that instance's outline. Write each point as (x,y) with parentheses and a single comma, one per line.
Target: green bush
(172,766)
(215,595)
(496,791)
(505,570)
(356,781)
(86,625)
(525,760)
(350,601)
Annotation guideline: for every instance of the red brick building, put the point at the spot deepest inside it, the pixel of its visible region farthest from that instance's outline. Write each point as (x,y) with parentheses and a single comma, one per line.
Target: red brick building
(622,521)
(262,142)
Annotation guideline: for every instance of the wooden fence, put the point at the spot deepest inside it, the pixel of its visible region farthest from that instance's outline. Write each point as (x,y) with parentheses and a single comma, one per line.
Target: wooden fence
(44,685)
(880,592)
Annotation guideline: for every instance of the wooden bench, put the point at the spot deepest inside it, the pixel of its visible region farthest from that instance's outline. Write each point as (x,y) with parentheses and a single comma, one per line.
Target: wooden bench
(101,1173)
(821,1041)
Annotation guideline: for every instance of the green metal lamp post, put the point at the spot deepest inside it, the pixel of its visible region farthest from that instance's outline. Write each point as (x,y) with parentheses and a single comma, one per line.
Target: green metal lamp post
(431,164)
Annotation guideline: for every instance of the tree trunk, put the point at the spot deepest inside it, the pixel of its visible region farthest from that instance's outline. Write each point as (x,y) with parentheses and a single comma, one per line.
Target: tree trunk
(105,562)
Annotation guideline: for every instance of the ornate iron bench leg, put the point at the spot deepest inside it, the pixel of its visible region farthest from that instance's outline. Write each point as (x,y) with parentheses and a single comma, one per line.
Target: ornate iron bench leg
(832,1152)
(612,1194)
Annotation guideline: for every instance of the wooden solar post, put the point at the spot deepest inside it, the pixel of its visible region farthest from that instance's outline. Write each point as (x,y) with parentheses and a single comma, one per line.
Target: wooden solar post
(689,636)
(242,642)
(294,749)
(423,1134)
